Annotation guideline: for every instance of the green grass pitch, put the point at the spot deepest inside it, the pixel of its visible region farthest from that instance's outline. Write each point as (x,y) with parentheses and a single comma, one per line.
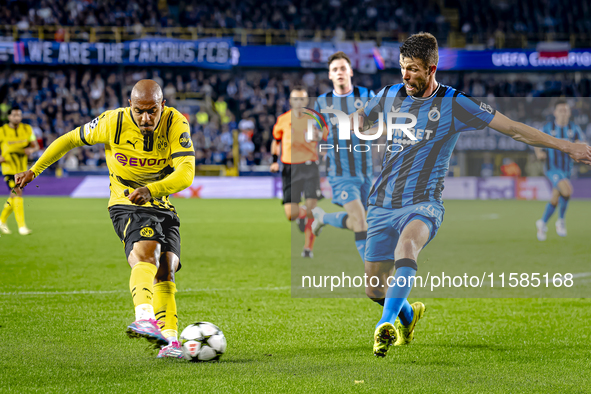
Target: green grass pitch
(64,306)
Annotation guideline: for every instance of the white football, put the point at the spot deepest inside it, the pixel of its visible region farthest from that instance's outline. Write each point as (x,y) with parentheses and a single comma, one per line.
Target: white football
(203,341)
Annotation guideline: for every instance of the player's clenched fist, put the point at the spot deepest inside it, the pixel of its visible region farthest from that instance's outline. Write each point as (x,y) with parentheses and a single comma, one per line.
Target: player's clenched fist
(274,167)
(22,179)
(139,196)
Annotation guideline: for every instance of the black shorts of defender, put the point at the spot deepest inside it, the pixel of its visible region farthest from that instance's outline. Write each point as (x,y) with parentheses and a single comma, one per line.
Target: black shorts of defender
(300,178)
(133,224)
(10,181)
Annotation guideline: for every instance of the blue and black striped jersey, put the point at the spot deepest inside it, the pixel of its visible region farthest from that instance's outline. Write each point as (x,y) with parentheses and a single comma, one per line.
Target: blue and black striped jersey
(346,160)
(555,159)
(416,173)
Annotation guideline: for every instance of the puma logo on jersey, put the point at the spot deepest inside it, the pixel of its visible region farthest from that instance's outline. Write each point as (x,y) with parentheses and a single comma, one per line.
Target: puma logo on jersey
(132,143)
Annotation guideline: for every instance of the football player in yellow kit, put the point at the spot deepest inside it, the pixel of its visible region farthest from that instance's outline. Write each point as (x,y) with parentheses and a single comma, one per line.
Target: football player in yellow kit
(149,153)
(17,142)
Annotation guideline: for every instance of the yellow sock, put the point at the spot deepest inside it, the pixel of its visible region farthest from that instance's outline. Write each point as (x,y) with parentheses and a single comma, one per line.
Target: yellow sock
(19,211)
(8,207)
(141,285)
(165,308)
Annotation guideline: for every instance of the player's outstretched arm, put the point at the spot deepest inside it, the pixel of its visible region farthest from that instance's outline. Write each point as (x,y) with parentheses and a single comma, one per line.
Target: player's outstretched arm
(53,153)
(524,133)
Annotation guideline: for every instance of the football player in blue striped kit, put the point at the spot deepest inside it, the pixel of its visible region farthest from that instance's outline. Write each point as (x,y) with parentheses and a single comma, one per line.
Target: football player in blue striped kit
(349,163)
(558,167)
(405,207)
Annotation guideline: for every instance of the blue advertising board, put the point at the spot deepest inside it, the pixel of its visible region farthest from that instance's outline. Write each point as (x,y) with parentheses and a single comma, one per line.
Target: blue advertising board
(220,53)
(212,53)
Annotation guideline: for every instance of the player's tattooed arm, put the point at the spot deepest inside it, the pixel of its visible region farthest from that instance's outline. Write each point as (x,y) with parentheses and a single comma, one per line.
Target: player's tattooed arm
(581,153)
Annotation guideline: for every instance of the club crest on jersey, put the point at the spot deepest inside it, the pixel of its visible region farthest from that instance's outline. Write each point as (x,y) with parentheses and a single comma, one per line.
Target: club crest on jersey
(161,143)
(185,140)
(358,103)
(434,115)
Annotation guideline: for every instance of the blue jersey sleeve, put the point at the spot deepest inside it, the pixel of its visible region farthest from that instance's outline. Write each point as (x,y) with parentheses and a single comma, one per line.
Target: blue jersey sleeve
(471,114)
(374,106)
(371,94)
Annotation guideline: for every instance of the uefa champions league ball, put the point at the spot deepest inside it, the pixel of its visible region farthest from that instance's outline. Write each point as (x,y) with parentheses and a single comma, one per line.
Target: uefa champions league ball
(203,342)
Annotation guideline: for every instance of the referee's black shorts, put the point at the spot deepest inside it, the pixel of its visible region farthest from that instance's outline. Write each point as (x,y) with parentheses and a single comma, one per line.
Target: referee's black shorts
(301,178)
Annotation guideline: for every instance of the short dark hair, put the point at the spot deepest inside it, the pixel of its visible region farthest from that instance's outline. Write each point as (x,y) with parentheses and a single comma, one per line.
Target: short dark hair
(560,101)
(14,108)
(338,55)
(300,88)
(422,46)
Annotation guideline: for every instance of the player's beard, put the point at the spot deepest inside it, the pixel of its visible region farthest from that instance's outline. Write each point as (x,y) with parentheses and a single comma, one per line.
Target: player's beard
(146,133)
(420,87)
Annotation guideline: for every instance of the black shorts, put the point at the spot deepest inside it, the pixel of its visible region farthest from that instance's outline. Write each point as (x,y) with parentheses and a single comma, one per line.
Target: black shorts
(10,181)
(298,179)
(133,224)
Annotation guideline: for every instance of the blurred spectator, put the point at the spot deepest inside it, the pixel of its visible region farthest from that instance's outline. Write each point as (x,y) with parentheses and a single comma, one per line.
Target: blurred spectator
(510,168)
(510,17)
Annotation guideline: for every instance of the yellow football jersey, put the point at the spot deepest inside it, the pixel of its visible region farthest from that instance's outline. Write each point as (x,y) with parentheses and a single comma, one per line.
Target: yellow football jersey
(12,147)
(134,160)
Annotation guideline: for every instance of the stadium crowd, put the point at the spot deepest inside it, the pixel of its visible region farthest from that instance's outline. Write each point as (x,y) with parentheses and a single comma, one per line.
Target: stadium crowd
(57,101)
(484,17)
(477,17)
(249,14)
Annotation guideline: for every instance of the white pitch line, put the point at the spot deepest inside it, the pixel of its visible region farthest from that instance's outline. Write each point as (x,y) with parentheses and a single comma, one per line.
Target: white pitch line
(87,292)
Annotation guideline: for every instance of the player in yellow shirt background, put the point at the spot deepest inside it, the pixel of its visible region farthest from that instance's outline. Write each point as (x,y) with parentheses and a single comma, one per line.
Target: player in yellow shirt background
(150,154)
(17,142)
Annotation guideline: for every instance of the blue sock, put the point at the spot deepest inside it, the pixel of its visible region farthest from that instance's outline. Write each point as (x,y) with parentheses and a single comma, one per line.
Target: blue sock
(548,212)
(396,295)
(406,313)
(360,238)
(336,219)
(562,205)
